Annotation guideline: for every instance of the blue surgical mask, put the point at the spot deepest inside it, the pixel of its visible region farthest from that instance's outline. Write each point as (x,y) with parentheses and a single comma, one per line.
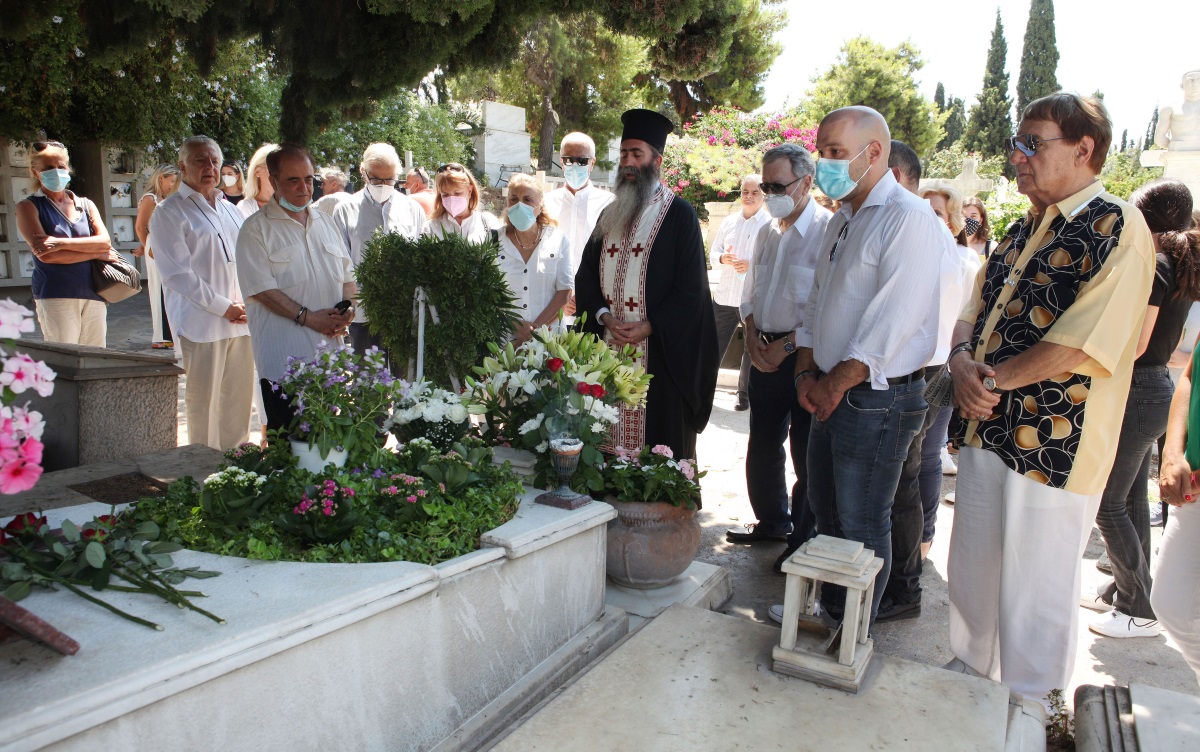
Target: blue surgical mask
(521,216)
(292,207)
(833,176)
(576,176)
(55,180)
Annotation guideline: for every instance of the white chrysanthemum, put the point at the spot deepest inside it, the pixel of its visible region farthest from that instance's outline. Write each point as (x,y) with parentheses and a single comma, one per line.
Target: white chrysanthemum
(433,411)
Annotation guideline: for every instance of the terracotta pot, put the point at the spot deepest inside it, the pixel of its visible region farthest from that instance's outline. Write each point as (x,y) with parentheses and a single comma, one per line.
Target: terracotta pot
(649,545)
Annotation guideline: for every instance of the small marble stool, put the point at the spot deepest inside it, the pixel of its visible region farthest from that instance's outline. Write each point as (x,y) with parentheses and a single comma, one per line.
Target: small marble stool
(838,562)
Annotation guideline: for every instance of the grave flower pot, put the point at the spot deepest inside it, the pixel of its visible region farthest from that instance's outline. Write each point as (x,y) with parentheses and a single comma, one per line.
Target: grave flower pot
(650,543)
(310,458)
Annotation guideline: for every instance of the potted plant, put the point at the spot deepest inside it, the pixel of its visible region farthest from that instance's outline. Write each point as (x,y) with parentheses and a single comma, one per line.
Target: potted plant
(656,535)
(340,400)
(558,385)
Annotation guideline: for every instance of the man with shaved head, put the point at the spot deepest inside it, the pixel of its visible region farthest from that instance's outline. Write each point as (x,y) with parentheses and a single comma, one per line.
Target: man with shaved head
(869,329)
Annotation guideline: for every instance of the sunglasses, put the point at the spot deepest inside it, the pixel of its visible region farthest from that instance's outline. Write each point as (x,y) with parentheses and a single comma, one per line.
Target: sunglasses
(777,189)
(1028,145)
(451,167)
(40,146)
(581,161)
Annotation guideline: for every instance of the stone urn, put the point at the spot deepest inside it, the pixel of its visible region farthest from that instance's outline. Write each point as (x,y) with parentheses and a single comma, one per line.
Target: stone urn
(650,544)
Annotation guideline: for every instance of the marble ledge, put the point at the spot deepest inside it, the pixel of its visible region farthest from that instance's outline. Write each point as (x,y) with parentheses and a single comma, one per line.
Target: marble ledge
(537,526)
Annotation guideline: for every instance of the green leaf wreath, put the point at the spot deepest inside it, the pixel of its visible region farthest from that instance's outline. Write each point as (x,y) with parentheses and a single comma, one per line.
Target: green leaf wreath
(462,282)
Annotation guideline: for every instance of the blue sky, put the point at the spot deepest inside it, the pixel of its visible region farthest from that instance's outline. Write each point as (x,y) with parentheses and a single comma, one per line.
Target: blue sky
(1136,58)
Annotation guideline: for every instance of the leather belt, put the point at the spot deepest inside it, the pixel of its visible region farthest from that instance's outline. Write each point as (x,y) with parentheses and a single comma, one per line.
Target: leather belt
(907,380)
(770,337)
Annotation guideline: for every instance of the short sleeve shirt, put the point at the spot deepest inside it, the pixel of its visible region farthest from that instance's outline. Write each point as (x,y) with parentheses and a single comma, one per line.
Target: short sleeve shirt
(1172,314)
(534,283)
(1079,277)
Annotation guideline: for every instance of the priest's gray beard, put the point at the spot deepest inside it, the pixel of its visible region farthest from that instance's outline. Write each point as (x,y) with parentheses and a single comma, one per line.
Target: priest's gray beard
(632,197)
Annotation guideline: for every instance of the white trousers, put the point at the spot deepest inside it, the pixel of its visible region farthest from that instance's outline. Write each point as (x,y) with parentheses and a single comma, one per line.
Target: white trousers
(154,288)
(1175,596)
(1014,573)
(218,392)
(74,321)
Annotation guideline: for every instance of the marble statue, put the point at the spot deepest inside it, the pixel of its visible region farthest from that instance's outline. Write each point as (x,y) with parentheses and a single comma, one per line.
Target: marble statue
(1179,128)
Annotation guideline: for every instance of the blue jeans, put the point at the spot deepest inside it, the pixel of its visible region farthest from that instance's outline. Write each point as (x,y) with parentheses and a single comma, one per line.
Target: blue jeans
(854,464)
(930,479)
(776,419)
(1124,516)
(728,320)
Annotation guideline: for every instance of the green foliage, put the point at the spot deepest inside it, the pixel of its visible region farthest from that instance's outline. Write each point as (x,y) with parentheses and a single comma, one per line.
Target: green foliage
(1060,726)
(461,280)
(956,122)
(1039,56)
(392,510)
(241,104)
(1123,173)
(867,73)
(651,475)
(947,163)
(991,118)
(1005,208)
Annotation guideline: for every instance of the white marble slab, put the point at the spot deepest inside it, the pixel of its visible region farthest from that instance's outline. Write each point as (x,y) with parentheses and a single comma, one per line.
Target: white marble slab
(701,586)
(503,117)
(1165,721)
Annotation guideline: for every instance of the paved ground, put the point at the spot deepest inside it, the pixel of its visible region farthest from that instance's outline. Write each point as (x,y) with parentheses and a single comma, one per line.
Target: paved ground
(722,452)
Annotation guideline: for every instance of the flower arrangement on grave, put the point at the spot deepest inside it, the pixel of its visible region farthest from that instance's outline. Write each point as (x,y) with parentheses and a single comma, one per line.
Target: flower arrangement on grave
(653,475)
(233,494)
(424,411)
(111,552)
(324,514)
(555,386)
(20,428)
(339,398)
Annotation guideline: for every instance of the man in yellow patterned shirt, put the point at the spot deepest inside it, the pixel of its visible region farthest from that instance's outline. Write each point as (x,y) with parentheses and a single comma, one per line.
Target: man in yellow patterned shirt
(1042,363)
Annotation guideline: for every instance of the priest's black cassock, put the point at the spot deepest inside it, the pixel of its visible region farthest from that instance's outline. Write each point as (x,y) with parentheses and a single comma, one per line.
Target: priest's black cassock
(657,272)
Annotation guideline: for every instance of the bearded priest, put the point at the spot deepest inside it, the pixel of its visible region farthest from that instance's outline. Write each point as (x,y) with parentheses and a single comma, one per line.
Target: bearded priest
(642,281)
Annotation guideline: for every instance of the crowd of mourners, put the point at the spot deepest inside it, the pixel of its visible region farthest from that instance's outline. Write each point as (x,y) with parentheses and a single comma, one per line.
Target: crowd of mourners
(862,292)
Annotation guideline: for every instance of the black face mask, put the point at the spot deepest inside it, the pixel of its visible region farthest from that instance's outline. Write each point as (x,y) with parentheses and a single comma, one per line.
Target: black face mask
(973,226)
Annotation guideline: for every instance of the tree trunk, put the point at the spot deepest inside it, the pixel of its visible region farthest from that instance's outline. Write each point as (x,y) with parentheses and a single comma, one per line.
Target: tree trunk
(547,135)
(681,99)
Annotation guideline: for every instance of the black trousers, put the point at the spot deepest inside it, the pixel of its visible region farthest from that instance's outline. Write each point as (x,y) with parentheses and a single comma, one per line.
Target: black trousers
(279,412)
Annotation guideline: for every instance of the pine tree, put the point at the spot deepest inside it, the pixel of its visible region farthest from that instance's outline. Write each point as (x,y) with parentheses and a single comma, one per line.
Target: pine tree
(991,119)
(1039,56)
(939,97)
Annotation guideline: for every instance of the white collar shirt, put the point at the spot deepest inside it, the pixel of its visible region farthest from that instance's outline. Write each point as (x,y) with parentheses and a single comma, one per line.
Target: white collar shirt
(960,265)
(359,216)
(781,277)
(576,214)
(474,228)
(876,291)
(738,235)
(195,247)
(534,283)
(330,201)
(307,262)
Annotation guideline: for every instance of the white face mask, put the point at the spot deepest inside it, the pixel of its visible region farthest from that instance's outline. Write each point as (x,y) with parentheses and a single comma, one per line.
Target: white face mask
(229,180)
(780,206)
(381,193)
(577,176)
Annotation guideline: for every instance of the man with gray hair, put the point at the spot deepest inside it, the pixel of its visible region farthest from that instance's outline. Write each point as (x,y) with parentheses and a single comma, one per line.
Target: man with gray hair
(333,189)
(577,204)
(773,308)
(194,233)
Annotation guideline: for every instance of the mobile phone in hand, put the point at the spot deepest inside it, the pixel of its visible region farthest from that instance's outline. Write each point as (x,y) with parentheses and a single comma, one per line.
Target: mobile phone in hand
(343,306)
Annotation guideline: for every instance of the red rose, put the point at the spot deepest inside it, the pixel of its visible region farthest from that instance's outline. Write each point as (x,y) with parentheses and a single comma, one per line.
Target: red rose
(25,522)
(92,534)
(584,389)
(107,519)
(554,364)
(598,391)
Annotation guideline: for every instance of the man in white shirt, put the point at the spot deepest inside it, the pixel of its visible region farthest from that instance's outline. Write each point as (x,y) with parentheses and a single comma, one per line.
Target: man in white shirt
(869,329)
(773,302)
(194,234)
(732,252)
(294,269)
(577,205)
(333,189)
(377,206)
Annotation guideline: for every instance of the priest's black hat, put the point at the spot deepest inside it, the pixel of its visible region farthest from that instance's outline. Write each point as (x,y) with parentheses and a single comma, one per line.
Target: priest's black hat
(648,126)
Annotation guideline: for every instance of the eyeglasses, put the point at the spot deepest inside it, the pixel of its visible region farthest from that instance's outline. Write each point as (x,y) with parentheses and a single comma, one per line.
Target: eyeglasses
(382,181)
(1028,145)
(581,161)
(777,189)
(420,172)
(451,167)
(40,146)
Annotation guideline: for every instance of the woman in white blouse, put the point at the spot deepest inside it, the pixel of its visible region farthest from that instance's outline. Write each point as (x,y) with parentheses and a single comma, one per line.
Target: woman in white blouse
(535,258)
(258,184)
(456,206)
(163,182)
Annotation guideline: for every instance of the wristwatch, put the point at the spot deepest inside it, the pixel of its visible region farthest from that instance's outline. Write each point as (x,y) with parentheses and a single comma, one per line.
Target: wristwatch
(989,383)
(788,347)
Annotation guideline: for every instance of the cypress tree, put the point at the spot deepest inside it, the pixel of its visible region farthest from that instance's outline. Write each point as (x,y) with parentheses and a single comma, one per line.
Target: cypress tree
(956,122)
(939,97)
(1124,139)
(1039,56)
(1150,129)
(991,119)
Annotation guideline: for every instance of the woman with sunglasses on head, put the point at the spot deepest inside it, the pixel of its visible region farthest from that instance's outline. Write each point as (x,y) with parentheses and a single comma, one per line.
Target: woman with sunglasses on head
(65,233)
(164,181)
(233,183)
(456,206)
(535,258)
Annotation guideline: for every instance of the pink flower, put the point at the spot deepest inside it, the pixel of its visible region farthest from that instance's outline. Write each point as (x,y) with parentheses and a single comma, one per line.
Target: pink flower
(14,319)
(20,373)
(31,450)
(18,475)
(411,499)
(685,467)
(663,450)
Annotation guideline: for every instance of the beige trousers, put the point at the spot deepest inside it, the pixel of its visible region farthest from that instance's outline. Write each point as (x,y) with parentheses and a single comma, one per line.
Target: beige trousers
(73,320)
(218,392)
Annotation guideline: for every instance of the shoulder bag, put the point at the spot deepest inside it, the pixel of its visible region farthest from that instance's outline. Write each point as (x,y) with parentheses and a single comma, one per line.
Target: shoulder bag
(114,281)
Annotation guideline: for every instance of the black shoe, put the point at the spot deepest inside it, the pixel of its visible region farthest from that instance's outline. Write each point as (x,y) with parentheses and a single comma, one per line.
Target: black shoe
(743,403)
(752,533)
(891,610)
(787,554)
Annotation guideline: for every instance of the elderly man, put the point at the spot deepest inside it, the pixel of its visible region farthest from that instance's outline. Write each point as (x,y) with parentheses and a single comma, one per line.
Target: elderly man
(333,189)
(1042,363)
(869,329)
(577,204)
(378,206)
(294,270)
(778,281)
(732,251)
(642,281)
(419,189)
(194,234)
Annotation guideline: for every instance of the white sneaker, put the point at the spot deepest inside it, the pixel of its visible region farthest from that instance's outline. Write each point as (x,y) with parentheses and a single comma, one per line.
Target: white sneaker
(1091,599)
(1117,624)
(948,466)
(949,499)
